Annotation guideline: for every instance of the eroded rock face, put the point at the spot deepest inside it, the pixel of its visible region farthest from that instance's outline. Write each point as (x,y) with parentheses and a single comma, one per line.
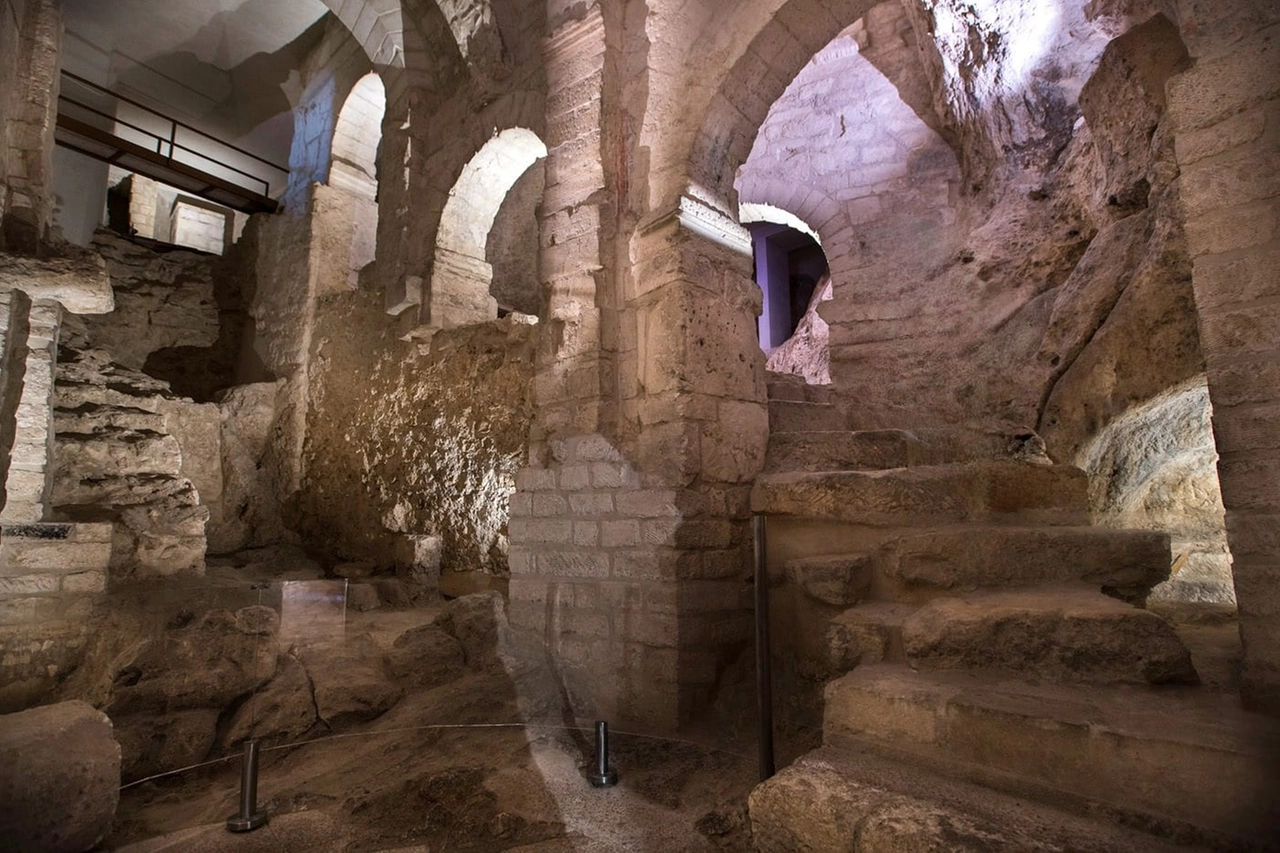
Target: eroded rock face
(218,658)
(59,778)
(350,680)
(284,708)
(406,440)
(162,300)
(115,460)
(1155,468)
(807,353)
(252,474)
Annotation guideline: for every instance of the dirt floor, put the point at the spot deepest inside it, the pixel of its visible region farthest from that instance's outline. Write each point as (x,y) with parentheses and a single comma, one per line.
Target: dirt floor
(458,767)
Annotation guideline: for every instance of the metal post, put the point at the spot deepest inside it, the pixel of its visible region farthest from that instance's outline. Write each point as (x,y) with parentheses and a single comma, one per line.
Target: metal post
(603,776)
(764,662)
(249,817)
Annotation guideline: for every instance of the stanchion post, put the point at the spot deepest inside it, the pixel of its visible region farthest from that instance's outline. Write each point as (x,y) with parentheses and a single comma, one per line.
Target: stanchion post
(249,817)
(603,776)
(764,658)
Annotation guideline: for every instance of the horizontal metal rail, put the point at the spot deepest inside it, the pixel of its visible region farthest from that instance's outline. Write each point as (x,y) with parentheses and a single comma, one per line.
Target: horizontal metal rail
(250,190)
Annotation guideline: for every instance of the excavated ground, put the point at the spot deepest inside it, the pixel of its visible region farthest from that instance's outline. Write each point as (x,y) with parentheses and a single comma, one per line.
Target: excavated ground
(472,785)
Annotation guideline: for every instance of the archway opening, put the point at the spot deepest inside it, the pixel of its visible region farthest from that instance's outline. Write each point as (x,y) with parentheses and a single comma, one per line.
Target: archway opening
(357,136)
(794,277)
(463,277)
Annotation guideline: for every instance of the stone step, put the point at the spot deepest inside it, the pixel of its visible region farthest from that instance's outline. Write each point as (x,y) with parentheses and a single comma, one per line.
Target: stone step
(867,634)
(813,450)
(988,490)
(788,386)
(854,800)
(840,581)
(798,416)
(1130,561)
(1058,633)
(1177,757)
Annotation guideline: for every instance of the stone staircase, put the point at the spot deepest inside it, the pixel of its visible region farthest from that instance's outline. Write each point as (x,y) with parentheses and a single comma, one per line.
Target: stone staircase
(978,636)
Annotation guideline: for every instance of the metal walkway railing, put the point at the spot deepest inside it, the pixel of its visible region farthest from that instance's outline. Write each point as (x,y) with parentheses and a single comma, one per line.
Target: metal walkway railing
(107,126)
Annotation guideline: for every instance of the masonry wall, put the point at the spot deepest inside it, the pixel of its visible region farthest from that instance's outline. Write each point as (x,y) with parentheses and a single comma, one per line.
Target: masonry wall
(30,40)
(1227,112)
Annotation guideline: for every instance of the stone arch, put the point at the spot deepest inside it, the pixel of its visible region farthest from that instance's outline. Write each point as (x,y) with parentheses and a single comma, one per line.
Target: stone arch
(461,275)
(356,137)
(403,39)
(777,54)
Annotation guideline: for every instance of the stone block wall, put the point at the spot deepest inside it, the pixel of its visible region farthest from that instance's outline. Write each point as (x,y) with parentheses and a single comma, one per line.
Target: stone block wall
(51,575)
(27,378)
(30,41)
(638,598)
(198,226)
(1226,111)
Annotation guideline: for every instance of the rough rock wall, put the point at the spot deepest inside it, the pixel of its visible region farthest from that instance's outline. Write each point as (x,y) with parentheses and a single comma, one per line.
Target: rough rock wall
(512,248)
(1055,299)
(406,439)
(162,300)
(116,459)
(807,352)
(1155,468)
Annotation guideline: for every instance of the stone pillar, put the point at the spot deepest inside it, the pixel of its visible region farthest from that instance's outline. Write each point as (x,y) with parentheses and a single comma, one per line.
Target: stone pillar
(28,114)
(27,483)
(142,207)
(569,360)
(1227,113)
(630,560)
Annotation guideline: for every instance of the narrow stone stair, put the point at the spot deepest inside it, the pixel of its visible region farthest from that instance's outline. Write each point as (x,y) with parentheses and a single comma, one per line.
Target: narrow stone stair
(991,647)
(1185,764)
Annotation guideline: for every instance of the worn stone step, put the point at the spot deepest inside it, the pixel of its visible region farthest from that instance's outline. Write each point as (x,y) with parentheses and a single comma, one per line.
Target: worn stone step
(1181,757)
(987,490)
(854,800)
(798,416)
(867,634)
(1131,561)
(841,580)
(1061,633)
(788,386)
(813,450)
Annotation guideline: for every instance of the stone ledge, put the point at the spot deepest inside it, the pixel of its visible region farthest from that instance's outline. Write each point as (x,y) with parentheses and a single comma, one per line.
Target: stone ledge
(53,549)
(79,282)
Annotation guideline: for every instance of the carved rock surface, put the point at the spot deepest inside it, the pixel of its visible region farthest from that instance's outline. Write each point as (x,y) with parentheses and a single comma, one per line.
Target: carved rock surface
(350,680)
(59,778)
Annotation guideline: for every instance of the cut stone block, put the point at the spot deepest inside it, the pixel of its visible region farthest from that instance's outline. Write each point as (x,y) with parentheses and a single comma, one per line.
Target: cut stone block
(797,416)
(54,548)
(843,450)
(999,556)
(914,497)
(1059,634)
(832,800)
(1180,755)
(869,633)
(840,580)
(60,781)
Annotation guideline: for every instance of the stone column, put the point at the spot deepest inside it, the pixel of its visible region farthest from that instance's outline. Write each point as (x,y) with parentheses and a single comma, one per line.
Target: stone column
(34,358)
(569,387)
(630,558)
(1227,113)
(28,114)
